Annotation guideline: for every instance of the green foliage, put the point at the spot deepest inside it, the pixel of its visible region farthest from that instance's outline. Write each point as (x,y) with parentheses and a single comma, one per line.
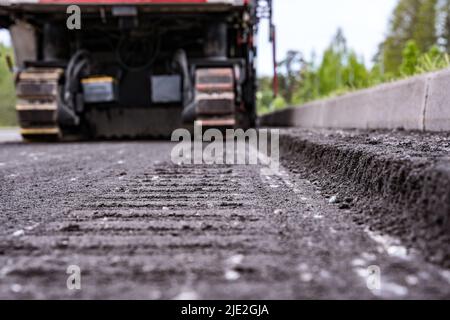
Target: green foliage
(265,100)
(331,69)
(425,33)
(415,20)
(289,80)
(411,48)
(434,59)
(411,55)
(309,87)
(401,30)
(339,71)
(377,75)
(416,63)
(7,94)
(278,103)
(355,74)
(330,72)
(264,96)
(444,24)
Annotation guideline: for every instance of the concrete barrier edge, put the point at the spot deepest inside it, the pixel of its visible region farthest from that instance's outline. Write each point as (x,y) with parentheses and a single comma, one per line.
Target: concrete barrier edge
(418,103)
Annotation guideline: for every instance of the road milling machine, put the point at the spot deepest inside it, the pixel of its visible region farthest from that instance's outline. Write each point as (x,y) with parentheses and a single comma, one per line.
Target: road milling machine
(133,68)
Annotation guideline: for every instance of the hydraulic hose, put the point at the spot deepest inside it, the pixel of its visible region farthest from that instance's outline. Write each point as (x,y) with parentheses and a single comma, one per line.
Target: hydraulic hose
(188,114)
(66,110)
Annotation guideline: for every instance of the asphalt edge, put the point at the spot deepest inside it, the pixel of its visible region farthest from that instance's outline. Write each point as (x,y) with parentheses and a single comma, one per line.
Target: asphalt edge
(416,190)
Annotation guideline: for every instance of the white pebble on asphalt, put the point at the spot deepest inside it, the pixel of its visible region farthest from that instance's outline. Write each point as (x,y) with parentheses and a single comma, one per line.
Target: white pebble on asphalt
(411,280)
(232,275)
(359,262)
(446,275)
(368,256)
(398,251)
(187,295)
(30,228)
(16,288)
(18,233)
(306,277)
(303,267)
(235,260)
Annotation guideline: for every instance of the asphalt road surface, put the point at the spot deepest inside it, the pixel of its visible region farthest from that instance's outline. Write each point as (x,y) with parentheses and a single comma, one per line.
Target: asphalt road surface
(139,226)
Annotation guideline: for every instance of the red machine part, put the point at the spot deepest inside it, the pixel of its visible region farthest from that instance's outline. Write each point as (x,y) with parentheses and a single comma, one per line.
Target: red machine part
(235,2)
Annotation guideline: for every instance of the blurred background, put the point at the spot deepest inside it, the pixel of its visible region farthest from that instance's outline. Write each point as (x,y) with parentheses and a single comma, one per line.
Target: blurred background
(7,95)
(327,48)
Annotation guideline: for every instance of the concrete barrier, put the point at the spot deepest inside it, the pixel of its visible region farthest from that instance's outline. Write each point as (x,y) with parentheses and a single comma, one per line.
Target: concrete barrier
(437,111)
(418,103)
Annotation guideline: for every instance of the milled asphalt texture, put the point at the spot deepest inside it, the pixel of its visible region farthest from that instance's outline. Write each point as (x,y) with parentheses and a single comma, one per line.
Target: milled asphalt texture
(140,226)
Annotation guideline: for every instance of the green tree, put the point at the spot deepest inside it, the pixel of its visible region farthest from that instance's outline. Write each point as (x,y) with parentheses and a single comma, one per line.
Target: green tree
(425,32)
(401,29)
(309,86)
(330,72)
(289,80)
(264,96)
(7,95)
(411,55)
(444,24)
(377,75)
(419,35)
(434,59)
(355,74)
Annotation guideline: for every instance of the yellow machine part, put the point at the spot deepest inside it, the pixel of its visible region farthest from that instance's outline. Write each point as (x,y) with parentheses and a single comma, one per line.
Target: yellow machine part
(98,79)
(36,106)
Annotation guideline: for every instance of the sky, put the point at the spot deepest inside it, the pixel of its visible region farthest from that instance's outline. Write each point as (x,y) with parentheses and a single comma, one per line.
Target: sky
(309,25)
